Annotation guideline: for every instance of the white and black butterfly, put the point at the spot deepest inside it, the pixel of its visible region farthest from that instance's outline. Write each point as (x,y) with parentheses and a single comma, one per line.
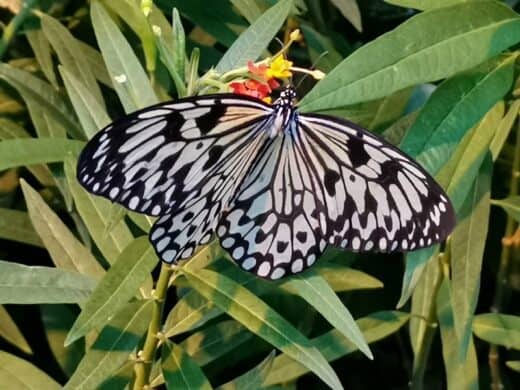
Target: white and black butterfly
(275,185)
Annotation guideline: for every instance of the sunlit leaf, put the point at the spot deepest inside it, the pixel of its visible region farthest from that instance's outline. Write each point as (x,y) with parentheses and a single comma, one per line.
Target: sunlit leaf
(252,42)
(128,77)
(16,226)
(19,374)
(42,50)
(416,52)
(254,314)
(501,329)
(65,249)
(113,346)
(117,287)
(10,332)
(22,284)
(180,371)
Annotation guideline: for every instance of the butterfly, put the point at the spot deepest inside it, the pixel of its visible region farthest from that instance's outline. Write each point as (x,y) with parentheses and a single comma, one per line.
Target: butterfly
(276,186)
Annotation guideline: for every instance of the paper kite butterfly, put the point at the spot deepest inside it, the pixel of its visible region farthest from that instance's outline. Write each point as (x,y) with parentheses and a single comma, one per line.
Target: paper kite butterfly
(276,186)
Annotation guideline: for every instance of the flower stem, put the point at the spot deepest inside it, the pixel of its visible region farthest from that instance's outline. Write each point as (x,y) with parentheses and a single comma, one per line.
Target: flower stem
(145,357)
(503,268)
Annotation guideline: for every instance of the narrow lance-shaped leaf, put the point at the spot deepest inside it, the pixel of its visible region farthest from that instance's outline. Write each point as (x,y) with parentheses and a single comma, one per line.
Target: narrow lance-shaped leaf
(254,314)
(42,50)
(113,346)
(333,345)
(511,206)
(504,128)
(10,332)
(180,371)
(315,290)
(467,252)
(49,112)
(350,10)
(21,284)
(500,329)
(252,42)
(30,151)
(461,366)
(117,287)
(65,249)
(252,379)
(20,374)
(128,77)
(92,115)
(94,211)
(426,4)
(415,53)
(70,54)
(16,225)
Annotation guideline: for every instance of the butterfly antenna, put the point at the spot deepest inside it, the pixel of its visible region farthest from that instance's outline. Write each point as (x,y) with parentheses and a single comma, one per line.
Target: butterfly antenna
(313,66)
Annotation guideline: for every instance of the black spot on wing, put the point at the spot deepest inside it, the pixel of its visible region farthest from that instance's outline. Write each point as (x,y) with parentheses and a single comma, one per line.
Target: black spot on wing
(213,155)
(330,180)
(357,154)
(208,121)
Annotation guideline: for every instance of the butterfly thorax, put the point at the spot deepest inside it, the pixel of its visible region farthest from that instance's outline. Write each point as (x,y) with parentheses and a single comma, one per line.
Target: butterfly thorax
(283,113)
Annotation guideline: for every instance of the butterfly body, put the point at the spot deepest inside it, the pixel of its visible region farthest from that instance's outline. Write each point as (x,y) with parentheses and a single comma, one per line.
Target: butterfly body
(275,186)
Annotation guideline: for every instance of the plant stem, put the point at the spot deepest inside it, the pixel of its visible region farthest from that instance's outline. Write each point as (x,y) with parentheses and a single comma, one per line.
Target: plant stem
(14,24)
(423,351)
(143,365)
(503,268)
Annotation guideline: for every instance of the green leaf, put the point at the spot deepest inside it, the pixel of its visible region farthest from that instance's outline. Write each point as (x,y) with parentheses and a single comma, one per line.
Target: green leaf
(215,20)
(504,128)
(214,341)
(92,115)
(341,278)
(57,320)
(416,51)
(511,206)
(252,42)
(10,332)
(500,329)
(453,109)
(95,214)
(16,226)
(179,370)
(70,54)
(467,251)
(422,302)
(514,365)
(22,375)
(248,9)
(191,311)
(64,248)
(120,378)
(127,74)
(22,284)
(117,287)
(10,130)
(350,10)
(317,44)
(42,50)
(255,315)
(333,345)
(172,49)
(132,14)
(252,379)
(317,292)
(29,151)
(426,4)
(113,346)
(415,264)
(96,62)
(463,167)
(461,366)
(50,114)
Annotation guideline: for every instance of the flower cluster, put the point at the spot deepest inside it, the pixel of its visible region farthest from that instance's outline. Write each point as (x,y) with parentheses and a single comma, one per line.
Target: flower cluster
(263,78)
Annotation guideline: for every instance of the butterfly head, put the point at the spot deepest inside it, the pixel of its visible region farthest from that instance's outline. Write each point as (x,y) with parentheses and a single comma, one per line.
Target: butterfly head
(287,97)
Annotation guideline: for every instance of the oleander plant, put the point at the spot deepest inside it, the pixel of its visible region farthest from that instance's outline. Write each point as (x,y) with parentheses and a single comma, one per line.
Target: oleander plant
(86,302)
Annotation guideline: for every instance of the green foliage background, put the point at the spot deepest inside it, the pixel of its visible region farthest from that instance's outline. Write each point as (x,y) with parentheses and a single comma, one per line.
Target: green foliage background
(84,300)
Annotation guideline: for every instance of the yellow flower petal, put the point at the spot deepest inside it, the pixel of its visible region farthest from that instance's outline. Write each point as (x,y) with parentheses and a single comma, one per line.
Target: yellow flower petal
(279,68)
